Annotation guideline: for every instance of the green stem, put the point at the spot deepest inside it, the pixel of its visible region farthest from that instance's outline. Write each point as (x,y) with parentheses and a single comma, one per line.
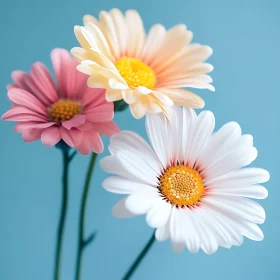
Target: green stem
(63,211)
(140,258)
(81,239)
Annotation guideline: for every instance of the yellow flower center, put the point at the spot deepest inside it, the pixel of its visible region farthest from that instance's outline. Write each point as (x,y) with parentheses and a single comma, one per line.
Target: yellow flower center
(181,185)
(136,73)
(64,110)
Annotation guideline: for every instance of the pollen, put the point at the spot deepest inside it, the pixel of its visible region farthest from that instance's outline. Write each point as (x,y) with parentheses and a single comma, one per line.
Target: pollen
(181,185)
(64,110)
(136,73)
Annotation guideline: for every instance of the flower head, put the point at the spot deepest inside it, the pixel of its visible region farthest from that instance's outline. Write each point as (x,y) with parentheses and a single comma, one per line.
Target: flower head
(147,72)
(192,185)
(69,110)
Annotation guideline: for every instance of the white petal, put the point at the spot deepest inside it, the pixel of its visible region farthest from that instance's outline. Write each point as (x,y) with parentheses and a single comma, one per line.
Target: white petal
(163,232)
(157,130)
(120,210)
(178,246)
(189,120)
(141,202)
(240,208)
(138,168)
(112,164)
(200,134)
(116,184)
(254,191)
(159,214)
(209,243)
(237,155)
(130,141)
(218,143)
(228,228)
(241,178)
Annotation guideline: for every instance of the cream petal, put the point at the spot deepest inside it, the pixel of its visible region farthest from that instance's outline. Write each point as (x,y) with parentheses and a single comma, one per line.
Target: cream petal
(100,39)
(109,30)
(140,107)
(136,34)
(154,41)
(130,96)
(183,97)
(113,95)
(121,30)
(176,39)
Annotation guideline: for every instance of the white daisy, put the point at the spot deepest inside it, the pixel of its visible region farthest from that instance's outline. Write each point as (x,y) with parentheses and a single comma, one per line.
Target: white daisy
(191,185)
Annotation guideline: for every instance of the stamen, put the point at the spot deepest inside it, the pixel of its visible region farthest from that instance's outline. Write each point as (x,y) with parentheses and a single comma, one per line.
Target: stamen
(64,110)
(181,185)
(136,73)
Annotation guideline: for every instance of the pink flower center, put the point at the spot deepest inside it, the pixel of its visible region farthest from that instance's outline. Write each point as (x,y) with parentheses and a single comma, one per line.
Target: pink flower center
(64,109)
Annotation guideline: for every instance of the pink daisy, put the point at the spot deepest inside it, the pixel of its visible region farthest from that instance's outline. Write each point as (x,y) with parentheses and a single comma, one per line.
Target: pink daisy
(68,111)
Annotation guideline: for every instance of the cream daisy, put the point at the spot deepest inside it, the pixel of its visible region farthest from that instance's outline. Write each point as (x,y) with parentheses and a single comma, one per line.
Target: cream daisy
(147,71)
(191,184)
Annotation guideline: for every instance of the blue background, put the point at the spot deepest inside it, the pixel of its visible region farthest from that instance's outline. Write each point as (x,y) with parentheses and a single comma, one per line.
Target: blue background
(245,38)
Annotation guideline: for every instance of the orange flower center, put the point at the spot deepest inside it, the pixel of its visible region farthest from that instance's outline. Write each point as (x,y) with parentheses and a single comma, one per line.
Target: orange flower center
(181,185)
(136,73)
(64,110)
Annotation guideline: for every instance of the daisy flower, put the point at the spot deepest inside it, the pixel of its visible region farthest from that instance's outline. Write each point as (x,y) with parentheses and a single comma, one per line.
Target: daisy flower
(191,184)
(68,111)
(149,71)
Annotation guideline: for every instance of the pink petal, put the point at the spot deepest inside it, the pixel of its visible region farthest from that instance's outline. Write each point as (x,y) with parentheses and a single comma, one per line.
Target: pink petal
(91,142)
(43,80)
(22,126)
(51,136)
(74,122)
(85,147)
(93,97)
(105,128)
(96,142)
(18,77)
(23,114)
(26,99)
(66,136)
(102,113)
(31,135)
(85,126)
(71,82)
(77,136)
(36,91)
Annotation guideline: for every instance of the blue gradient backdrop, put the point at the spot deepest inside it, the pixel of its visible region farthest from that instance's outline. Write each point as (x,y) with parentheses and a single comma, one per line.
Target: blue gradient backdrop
(245,38)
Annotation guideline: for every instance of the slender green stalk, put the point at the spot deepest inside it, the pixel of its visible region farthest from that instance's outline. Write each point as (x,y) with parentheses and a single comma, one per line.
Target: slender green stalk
(140,257)
(63,211)
(82,242)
